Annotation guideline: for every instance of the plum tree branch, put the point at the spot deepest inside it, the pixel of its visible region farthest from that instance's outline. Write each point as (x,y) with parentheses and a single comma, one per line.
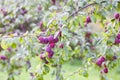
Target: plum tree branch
(83,8)
(16,36)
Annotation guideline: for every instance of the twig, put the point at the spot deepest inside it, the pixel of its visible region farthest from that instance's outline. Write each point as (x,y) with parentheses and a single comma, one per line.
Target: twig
(75,72)
(73,33)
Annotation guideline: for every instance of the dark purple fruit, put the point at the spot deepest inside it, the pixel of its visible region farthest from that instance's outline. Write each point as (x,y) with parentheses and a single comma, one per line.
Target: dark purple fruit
(99,63)
(50,54)
(116,15)
(118,36)
(105,70)
(88,34)
(88,20)
(36,54)
(4,12)
(9,49)
(90,41)
(40,24)
(51,39)
(46,40)
(60,34)
(56,40)
(61,45)
(100,60)
(22,27)
(52,45)
(117,41)
(3,57)
(53,2)
(41,39)
(46,62)
(42,57)
(114,57)
(48,49)
(39,8)
(23,11)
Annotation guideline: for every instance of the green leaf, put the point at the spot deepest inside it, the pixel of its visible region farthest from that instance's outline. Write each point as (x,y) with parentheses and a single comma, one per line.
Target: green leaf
(118,6)
(65,32)
(109,53)
(85,74)
(14,45)
(93,18)
(82,19)
(21,40)
(39,77)
(103,77)
(46,70)
(4,45)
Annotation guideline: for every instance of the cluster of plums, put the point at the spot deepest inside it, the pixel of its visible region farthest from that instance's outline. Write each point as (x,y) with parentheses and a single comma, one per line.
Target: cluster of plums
(100,60)
(101,63)
(50,41)
(88,34)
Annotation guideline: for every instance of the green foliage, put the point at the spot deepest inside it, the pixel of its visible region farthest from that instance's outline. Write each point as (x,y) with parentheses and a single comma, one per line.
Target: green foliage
(87,28)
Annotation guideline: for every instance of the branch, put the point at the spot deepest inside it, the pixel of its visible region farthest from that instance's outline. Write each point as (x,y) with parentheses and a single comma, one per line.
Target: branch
(16,36)
(73,33)
(84,7)
(92,4)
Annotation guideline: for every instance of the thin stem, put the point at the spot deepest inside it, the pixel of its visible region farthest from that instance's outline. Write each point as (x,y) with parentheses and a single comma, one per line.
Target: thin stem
(73,73)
